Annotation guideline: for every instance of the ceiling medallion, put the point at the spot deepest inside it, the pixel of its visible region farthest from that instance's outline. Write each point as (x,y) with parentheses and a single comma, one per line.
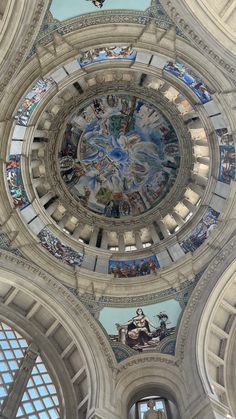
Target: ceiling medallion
(119,156)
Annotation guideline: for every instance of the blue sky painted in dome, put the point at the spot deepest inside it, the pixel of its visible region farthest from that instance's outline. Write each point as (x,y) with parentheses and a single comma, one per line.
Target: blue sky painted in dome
(63,10)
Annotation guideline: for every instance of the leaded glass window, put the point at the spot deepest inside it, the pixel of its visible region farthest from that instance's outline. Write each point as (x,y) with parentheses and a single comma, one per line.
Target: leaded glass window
(40,399)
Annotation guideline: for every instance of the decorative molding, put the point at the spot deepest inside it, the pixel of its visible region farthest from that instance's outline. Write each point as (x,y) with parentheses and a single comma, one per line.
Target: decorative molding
(194,38)
(26,42)
(65,298)
(215,269)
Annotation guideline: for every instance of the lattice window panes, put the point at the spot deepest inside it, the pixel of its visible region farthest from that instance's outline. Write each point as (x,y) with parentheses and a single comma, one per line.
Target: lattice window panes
(40,399)
(12,351)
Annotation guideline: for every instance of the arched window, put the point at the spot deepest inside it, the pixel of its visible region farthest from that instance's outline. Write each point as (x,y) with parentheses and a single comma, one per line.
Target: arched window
(26,387)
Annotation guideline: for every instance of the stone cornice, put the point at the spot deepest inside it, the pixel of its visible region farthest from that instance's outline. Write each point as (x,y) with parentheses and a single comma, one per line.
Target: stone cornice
(28,36)
(215,53)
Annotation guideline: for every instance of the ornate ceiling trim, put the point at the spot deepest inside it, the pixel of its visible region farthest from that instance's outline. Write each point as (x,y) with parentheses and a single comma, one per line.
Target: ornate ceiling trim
(220,58)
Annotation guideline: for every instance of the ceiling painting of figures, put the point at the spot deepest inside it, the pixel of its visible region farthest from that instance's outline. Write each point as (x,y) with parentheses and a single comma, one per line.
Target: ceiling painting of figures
(119,156)
(141,328)
(65,10)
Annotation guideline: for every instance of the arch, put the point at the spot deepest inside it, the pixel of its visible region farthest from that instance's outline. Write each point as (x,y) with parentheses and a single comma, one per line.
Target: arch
(141,376)
(193,339)
(76,354)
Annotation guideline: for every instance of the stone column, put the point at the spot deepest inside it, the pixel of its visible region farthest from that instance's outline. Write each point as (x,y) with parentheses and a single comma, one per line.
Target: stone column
(41,133)
(164,88)
(12,402)
(197,123)
(199,179)
(138,241)
(202,142)
(39,181)
(93,237)
(76,232)
(104,242)
(64,220)
(179,220)
(37,145)
(179,99)
(154,235)
(121,242)
(34,164)
(196,188)
(163,229)
(192,208)
(189,115)
(45,198)
(203,160)
(50,210)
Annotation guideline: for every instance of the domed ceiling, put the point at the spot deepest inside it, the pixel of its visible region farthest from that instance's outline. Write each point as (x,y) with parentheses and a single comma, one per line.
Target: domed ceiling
(118,162)
(119,155)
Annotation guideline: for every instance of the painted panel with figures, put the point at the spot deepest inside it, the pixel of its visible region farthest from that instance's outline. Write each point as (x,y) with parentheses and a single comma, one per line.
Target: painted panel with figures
(179,70)
(132,268)
(201,231)
(141,328)
(120,156)
(15,181)
(227,155)
(106,54)
(31,100)
(54,246)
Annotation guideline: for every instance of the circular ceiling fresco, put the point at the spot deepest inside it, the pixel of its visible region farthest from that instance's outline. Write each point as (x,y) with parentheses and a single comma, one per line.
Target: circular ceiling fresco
(119,156)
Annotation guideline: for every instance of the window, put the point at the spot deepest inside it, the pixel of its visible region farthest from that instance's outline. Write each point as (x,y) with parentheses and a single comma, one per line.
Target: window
(114,248)
(188,216)
(40,400)
(143,407)
(12,351)
(147,244)
(130,248)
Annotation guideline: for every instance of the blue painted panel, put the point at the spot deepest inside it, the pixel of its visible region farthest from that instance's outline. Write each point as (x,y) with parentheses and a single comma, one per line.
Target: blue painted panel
(132,268)
(62,10)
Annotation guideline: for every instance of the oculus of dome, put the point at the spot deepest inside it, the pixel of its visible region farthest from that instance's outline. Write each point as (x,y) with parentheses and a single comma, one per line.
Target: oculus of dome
(119,156)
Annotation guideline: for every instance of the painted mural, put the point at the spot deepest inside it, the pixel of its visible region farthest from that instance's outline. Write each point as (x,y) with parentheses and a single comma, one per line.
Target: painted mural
(141,328)
(119,156)
(106,54)
(15,181)
(179,70)
(201,231)
(31,100)
(60,251)
(65,10)
(227,156)
(132,268)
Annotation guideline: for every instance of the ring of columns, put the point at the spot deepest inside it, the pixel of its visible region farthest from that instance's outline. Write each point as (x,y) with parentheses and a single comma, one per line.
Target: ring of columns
(197,190)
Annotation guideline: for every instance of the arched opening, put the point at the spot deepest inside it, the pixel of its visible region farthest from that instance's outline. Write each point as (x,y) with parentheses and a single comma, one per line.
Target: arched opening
(153,401)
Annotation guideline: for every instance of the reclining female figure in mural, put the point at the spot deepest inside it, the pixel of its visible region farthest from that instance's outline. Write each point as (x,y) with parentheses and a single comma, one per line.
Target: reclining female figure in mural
(136,332)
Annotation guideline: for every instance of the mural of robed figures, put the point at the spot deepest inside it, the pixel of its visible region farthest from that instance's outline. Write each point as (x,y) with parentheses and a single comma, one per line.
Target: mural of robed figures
(132,268)
(201,232)
(179,70)
(142,328)
(120,156)
(227,155)
(15,181)
(106,54)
